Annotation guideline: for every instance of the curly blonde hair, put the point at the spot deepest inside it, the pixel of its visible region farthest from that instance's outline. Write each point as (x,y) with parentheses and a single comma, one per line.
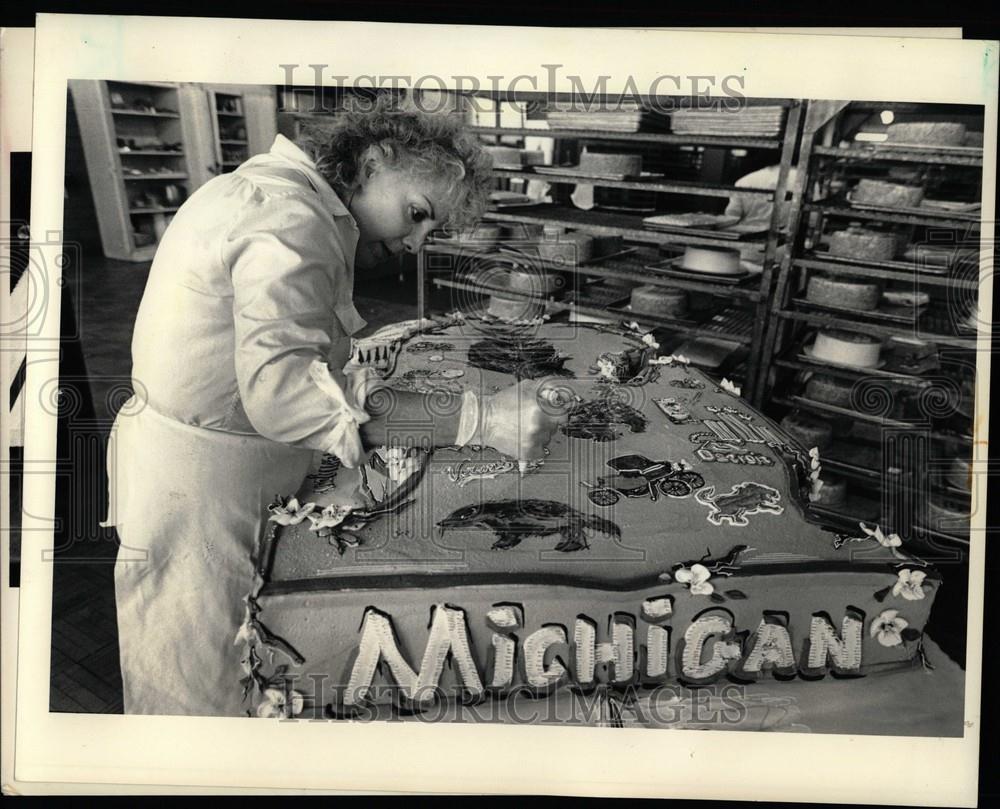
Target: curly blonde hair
(434,145)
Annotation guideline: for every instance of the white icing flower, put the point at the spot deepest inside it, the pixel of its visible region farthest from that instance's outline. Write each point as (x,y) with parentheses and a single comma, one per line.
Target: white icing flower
(290,513)
(276,705)
(606,368)
(246,633)
(330,517)
(888,628)
(649,340)
(891,541)
(770,651)
(697,579)
(816,485)
(729,651)
(732,387)
(910,584)
(400,463)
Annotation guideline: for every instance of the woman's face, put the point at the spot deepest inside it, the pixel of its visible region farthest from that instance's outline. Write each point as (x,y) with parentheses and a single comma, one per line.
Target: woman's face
(394,211)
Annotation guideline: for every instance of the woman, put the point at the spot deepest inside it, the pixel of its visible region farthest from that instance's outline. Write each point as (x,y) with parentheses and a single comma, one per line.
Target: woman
(239,345)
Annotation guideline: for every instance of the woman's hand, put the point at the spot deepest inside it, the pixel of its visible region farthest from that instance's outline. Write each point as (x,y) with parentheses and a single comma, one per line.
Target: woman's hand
(519,421)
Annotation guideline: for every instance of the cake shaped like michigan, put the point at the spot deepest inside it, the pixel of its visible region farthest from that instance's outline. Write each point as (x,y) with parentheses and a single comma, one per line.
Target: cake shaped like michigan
(663,540)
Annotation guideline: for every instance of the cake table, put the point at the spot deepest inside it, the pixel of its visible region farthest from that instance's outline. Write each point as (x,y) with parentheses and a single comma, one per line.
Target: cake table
(662,544)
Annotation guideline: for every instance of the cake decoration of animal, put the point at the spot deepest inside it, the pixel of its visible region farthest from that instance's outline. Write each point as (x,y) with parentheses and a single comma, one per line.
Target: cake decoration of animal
(739,502)
(515,520)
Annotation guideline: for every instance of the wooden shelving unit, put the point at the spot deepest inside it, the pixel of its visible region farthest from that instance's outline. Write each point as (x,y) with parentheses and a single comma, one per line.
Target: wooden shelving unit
(229,128)
(136,129)
(923,405)
(161,142)
(680,183)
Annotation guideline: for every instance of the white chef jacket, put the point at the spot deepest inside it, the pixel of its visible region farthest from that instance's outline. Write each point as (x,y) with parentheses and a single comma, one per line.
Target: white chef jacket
(251,283)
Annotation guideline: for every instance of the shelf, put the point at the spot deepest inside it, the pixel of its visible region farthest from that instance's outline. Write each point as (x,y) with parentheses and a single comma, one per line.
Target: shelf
(846,324)
(920,531)
(148,177)
(157,85)
(628,226)
(850,470)
(865,317)
(134,211)
(149,153)
(681,327)
(625,268)
(843,412)
(955,222)
(141,114)
(233,142)
(632,137)
(655,102)
(229,114)
(817,366)
(881,270)
(661,186)
(855,508)
(898,153)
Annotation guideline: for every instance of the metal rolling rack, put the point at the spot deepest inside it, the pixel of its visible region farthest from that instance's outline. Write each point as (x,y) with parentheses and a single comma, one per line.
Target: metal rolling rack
(906,464)
(744,325)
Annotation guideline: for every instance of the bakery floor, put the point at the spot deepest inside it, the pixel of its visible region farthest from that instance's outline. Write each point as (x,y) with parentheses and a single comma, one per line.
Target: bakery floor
(99,307)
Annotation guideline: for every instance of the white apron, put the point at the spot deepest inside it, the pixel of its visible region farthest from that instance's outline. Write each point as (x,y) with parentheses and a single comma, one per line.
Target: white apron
(189,505)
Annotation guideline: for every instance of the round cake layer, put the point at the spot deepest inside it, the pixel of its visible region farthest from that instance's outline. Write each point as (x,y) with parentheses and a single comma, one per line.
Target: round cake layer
(932,133)
(833,491)
(862,243)
(892,195)
(656,300)
(505,156)
(567,248)
(532,281)
(514,308)
(828,389)
(847,348)
(628,164)
(808,430)
(845,293)
(521,231)
(709,260)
